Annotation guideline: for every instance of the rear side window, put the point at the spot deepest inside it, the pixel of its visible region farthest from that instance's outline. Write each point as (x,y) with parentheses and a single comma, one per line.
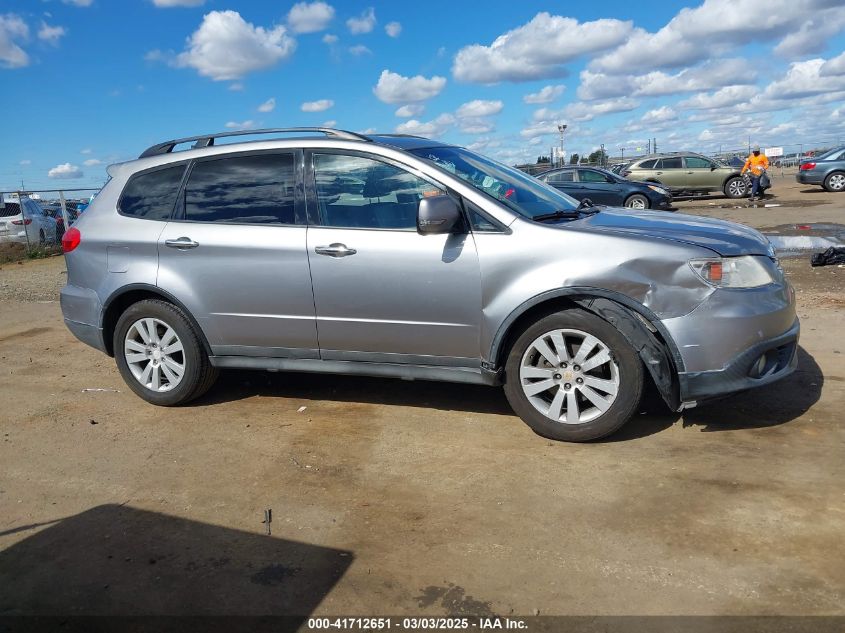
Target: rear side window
(152,195)
(561,176)
(257,189)
(670,163)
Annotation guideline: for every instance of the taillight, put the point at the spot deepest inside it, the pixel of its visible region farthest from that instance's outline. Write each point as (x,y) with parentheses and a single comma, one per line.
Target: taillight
(26,221)
(807,166)
(71,239)
(625,174)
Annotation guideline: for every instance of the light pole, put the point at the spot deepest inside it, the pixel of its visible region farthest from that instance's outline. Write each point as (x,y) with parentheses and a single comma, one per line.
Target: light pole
(561,128)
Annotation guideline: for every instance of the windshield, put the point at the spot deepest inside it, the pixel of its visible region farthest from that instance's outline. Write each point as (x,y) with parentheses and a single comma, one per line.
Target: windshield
(516,190)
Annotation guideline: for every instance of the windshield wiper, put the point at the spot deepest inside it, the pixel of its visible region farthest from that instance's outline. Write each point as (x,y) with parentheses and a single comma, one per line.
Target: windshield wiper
(585,207)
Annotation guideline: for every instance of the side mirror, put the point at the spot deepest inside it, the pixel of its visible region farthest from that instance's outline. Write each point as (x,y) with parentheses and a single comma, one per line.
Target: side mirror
(437,215)
(713,167)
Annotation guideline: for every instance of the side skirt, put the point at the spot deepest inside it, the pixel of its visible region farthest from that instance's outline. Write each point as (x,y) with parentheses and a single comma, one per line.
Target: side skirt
(475,376)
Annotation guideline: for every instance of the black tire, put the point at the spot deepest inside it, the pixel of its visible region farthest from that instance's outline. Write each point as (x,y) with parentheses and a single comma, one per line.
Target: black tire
(832,181)
(637,197)
(630,373)
(199,375)
(42,238)
(735,187)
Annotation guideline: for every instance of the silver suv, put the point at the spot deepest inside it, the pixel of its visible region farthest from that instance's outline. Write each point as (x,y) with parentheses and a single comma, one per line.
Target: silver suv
(329,251)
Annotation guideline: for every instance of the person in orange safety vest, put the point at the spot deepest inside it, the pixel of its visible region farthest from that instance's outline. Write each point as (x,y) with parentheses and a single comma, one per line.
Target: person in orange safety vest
(757,164)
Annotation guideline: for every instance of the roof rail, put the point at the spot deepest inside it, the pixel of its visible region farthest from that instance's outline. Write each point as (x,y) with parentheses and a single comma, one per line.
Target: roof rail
(207,140)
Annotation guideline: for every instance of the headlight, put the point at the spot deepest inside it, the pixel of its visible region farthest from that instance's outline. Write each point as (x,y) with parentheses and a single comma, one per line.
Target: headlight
(659,190)
(748,271)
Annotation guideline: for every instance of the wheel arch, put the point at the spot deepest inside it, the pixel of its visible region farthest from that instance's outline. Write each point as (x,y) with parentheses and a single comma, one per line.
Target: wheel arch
(639,325)
(124,297)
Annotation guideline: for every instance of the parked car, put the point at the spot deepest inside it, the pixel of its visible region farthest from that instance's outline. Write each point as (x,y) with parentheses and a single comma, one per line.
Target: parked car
(827,170)
(604,187)
(23,220)
(55,211)
(444,265)
(688,174)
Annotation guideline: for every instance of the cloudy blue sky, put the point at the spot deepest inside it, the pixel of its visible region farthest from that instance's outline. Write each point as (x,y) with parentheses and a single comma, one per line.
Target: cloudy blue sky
(89,82)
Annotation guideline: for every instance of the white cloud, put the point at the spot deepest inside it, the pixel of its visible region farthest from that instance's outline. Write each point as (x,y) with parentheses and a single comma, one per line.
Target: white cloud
(479,107)
(410,110)
(91,162)
(722,98)
(802,80)
(330,123)
(706,135)
(79,3)
(359,49)
(328,38)
(166,4)
(364,23)
(435,127)
(393,29)
(475,125)
(713,26)
(811,37)
(546,94)
(25,162)
(13,28)
(659,115)
(226,47)
(581,111)
(394,88)
(317,106)
(65,170)
(86,151)
(833,67)
(51,34)
(236,86)
(268,106)
(310,17)
(243,125)
(537,49)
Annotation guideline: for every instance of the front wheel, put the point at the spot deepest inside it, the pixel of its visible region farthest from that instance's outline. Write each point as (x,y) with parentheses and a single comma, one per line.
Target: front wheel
(637,201)
(159,354)
(572,376)
(835,181)
(736,187)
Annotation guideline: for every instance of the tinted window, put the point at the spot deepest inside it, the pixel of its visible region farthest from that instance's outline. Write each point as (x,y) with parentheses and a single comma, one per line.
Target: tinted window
(152,195)
(669,163)
(9,209)
(588,175)
(647,164)
(359,192)
(695,162)
(242,189)
(478,221)
(561,176)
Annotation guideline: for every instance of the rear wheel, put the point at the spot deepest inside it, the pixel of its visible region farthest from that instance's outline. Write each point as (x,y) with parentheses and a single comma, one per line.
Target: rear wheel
(736,187)
(637,201)
(835,181)
(159,354)
(42,238)
(572,376)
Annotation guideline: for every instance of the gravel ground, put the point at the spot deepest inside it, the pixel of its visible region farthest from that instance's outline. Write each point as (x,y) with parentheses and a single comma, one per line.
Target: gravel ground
(33,280)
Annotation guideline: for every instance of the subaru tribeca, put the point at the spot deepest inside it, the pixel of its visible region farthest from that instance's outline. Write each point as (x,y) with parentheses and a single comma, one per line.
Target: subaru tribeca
(385,255)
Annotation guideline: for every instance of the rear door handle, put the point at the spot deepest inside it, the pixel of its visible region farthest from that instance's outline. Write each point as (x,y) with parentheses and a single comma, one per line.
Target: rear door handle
(181,243)
(335,250)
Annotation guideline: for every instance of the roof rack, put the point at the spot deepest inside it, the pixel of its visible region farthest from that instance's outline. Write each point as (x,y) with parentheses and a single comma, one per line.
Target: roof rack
(207,140)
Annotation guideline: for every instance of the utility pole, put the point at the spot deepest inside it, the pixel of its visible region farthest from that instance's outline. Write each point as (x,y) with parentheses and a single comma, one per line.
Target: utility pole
(561,128)
(602,156)
(654,144)
(648,147)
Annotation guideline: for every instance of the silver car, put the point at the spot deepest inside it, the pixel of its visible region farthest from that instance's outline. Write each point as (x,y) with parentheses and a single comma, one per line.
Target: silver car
(329,251)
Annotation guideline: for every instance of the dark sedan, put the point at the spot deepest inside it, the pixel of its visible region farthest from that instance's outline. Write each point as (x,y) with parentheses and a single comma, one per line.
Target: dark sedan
(827,170)
(604,187)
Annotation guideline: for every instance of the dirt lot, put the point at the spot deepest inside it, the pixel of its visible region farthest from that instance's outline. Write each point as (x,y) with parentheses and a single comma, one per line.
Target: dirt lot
(415,498)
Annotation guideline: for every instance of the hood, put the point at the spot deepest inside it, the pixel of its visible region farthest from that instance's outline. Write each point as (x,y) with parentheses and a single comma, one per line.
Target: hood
(725,238)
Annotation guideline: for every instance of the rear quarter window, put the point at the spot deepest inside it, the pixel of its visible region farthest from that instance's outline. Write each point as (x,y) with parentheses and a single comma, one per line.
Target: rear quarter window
(152,195)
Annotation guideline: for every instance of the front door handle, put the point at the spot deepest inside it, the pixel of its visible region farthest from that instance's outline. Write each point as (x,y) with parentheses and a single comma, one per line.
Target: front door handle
(181,243)
(335,250)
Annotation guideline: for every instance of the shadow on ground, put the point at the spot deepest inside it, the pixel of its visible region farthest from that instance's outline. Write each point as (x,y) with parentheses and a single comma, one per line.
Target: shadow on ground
(774,404)
(118,561)
(237,385)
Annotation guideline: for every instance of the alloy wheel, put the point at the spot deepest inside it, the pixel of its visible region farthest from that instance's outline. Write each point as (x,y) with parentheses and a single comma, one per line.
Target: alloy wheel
(154,354)
(569,376)
(837,182)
